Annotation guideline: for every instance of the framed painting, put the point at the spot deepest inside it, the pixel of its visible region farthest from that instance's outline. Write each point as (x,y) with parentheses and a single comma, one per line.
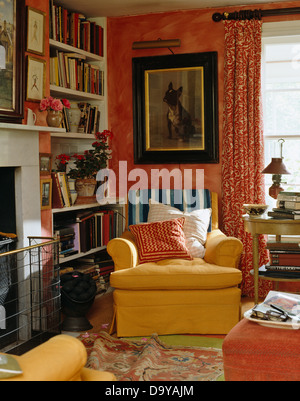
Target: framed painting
(46,194)
(12,71)
(36,70)
(175,108)
(45,163)
(35,31)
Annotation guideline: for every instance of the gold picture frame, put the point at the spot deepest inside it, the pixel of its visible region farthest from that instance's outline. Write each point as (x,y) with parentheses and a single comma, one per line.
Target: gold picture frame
(45,163)
(36,78)
(175,117)
(35,31)
(46,193)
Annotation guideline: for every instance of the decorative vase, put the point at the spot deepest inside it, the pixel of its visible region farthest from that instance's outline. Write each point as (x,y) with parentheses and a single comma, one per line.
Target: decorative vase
(73,191)
(54,118)
(85,186)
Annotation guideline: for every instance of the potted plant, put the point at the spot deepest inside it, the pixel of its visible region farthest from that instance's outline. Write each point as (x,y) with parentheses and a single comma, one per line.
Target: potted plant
(89,163)
(54,107)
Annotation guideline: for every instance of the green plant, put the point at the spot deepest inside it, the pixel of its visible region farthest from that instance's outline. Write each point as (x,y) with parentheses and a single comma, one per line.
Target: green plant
(92,160)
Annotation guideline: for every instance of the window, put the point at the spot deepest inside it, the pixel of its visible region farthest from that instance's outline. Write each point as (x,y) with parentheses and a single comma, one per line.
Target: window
(281,99)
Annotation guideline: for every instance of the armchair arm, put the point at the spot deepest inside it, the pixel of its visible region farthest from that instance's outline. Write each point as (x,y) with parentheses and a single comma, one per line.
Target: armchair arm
(222,250)
(62,358)
(123,251)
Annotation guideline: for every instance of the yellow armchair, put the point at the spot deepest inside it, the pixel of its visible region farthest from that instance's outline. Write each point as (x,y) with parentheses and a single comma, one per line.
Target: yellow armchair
(62,358)
(177,296)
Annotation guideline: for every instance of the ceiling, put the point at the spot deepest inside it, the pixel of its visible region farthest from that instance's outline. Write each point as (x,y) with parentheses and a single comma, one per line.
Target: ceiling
(115,8)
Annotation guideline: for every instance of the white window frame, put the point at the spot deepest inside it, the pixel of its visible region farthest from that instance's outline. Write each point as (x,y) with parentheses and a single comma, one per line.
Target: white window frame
(279,32)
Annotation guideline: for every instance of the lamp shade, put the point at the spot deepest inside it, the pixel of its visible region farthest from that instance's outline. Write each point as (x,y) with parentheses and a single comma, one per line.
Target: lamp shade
(276,167)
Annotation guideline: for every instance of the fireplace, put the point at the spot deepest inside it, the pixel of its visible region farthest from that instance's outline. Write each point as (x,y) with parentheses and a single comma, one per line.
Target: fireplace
(19,157)
(20,214)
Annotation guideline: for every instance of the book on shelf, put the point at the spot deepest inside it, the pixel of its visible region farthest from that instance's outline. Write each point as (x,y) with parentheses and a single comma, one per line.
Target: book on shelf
(282,257)
(283,245)
(81,118)
(288,205)
(288,196)
(61,194)
(65,189)
(287,272)
(75,29)
(284,215)
(57,200)
(67,253)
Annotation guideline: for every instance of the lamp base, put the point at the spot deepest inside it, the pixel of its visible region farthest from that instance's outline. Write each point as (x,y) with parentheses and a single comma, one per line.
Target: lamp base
(274,190)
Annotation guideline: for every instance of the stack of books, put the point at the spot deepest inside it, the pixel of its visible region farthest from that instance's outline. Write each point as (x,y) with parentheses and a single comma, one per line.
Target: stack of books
(284,259)
(287,206)
(66,237)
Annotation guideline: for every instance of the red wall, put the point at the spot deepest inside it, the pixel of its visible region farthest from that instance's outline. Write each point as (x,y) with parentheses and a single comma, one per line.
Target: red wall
(198,33)
(44,137)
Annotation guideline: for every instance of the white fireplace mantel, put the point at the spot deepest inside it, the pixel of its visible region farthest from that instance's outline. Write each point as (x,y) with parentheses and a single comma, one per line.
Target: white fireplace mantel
(19,148)
(32,128)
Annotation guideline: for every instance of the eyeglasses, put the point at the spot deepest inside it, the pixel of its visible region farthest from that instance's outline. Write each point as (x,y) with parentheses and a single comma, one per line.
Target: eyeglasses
(277,315)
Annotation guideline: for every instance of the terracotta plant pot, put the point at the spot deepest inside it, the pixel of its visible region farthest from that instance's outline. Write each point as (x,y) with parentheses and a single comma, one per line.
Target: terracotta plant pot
(85,186)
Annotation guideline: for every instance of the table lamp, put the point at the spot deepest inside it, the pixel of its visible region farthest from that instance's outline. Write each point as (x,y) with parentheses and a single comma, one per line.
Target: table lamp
(276,168)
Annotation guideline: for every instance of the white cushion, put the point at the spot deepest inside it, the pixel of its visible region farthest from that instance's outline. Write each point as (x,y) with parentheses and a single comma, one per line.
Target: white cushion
(195,226)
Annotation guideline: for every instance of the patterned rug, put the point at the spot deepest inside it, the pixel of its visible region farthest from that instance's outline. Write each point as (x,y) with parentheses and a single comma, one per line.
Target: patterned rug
(150,359)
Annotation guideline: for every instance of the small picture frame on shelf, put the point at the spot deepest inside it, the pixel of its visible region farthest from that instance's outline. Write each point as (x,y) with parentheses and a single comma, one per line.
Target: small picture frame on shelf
(46,194)
(35,31)
(36,68)
(45,163)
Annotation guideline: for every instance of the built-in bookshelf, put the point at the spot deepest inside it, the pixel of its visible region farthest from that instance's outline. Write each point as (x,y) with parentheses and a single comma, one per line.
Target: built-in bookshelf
(86,229)
(78,73)
(77,44)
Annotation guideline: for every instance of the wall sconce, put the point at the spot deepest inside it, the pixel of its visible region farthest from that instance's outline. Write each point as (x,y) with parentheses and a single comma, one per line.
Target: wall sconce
(276,168)
(154,44)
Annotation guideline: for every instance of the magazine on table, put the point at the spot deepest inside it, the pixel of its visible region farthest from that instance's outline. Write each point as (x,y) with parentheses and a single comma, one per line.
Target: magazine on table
(278,306)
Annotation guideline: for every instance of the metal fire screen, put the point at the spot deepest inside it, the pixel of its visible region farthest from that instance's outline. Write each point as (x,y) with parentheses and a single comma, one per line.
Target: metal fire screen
(29,295)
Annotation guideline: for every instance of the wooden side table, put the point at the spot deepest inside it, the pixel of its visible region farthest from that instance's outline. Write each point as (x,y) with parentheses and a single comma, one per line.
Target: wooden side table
(267,225)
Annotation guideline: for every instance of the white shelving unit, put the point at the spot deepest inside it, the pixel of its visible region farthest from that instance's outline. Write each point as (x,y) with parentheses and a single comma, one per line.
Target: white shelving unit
(75,142)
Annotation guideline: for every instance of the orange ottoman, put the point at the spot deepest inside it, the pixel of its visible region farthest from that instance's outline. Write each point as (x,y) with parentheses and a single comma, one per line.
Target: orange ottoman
(256,353)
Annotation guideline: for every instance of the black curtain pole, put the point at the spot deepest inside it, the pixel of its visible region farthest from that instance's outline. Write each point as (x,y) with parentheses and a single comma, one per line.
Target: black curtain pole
(250,14)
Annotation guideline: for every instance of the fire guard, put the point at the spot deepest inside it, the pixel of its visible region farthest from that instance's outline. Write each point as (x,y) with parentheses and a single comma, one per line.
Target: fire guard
(29,294)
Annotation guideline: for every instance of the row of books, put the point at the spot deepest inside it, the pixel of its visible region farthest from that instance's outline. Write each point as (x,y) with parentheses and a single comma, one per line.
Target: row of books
(81,118)
(287,206)
(284,259)
(61,194)
(69,70)
(75,29)
(88,230)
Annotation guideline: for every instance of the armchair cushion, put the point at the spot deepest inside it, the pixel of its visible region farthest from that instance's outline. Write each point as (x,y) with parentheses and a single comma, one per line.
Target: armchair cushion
(176,274)
(160,240)
(195,226)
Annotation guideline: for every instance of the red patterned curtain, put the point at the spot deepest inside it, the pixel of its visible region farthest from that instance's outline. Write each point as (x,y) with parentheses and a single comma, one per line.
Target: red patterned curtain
(243,150)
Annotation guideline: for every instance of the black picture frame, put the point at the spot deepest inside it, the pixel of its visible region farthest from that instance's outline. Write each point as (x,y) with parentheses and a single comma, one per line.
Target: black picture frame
(12,71)
(157,81)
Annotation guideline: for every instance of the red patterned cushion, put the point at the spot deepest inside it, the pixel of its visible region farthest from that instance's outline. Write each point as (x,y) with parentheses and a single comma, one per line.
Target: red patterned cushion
(160,240)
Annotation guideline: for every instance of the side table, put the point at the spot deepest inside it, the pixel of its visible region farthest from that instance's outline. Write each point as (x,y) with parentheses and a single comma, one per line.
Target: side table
(267,225)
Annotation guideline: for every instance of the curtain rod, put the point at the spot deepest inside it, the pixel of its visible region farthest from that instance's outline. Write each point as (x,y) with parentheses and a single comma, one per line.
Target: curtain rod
(250,14)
